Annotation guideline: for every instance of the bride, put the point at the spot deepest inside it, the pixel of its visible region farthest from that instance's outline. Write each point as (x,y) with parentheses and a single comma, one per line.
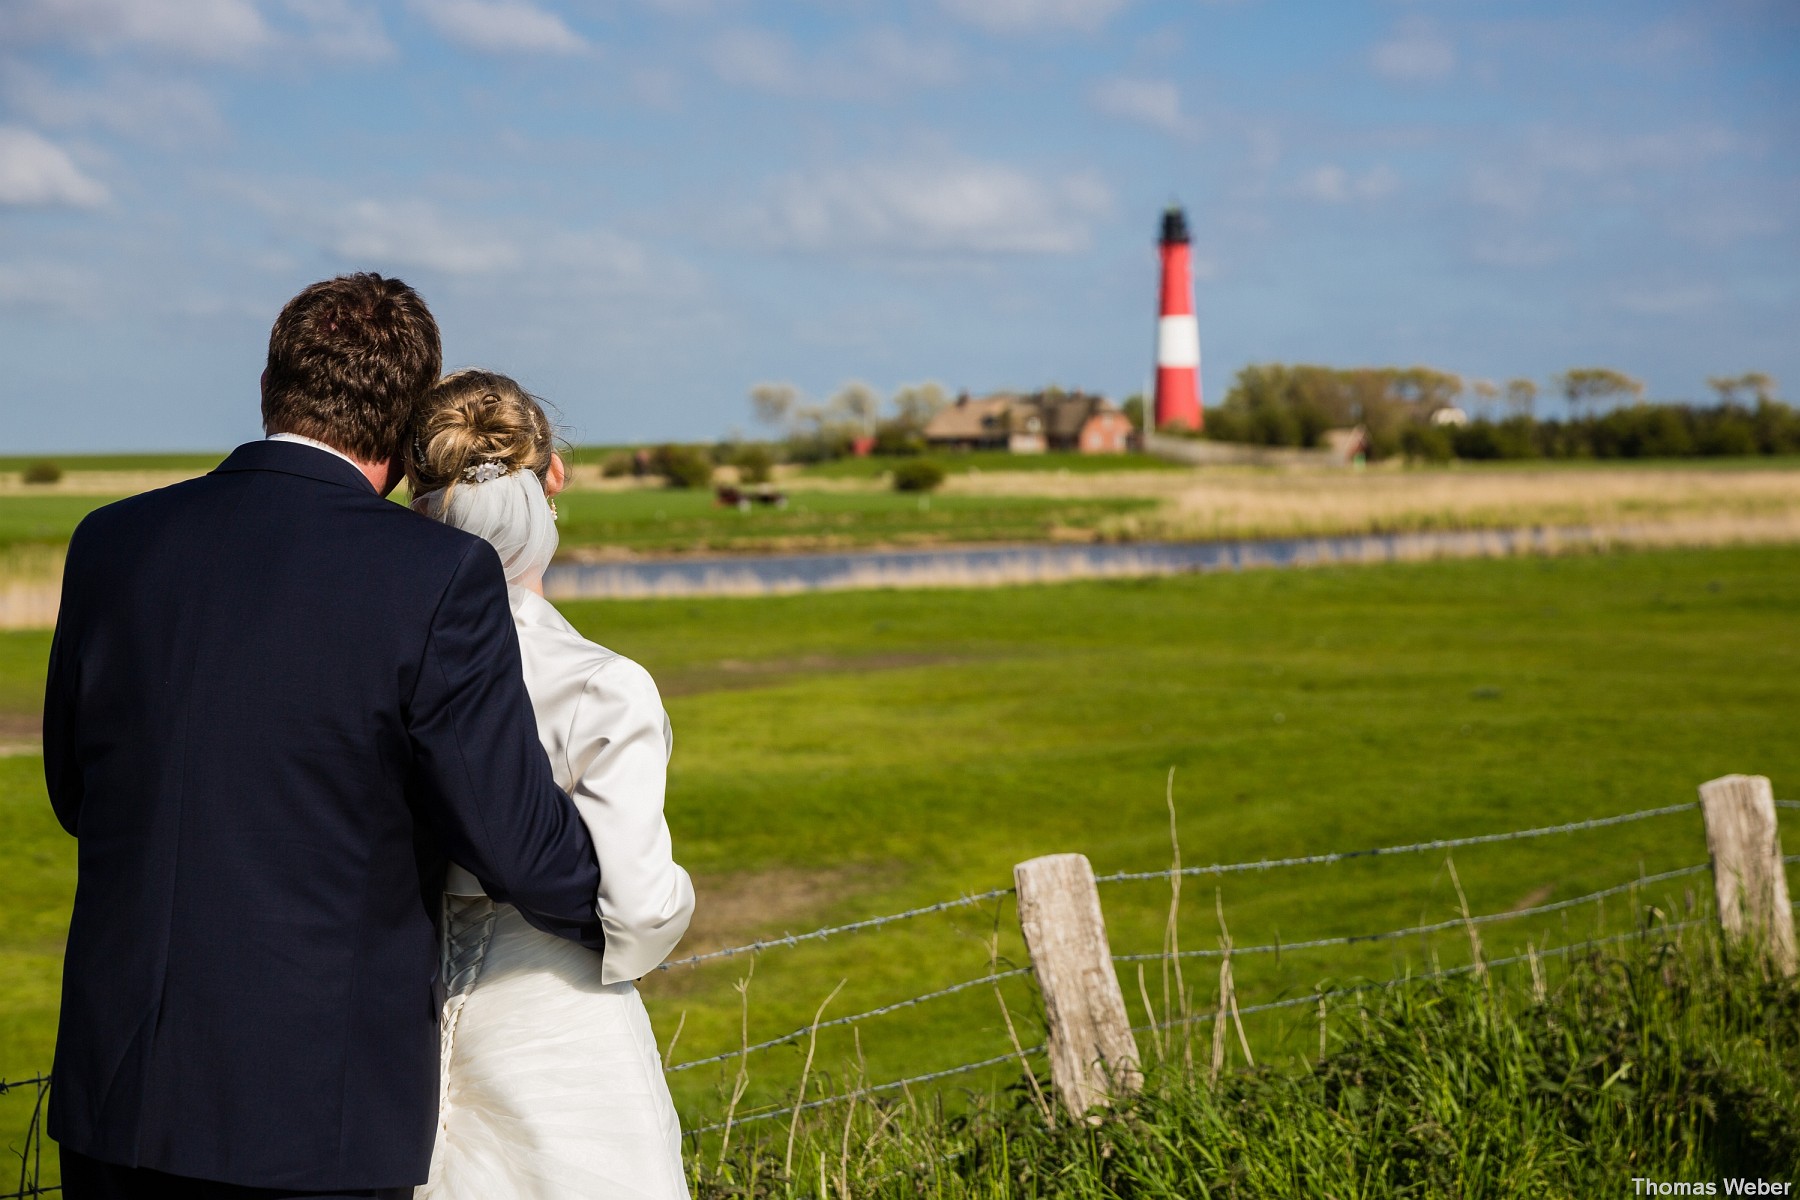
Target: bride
(552,1085)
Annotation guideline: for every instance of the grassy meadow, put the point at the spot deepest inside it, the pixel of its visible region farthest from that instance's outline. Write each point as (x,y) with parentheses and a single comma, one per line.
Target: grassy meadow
(850,754)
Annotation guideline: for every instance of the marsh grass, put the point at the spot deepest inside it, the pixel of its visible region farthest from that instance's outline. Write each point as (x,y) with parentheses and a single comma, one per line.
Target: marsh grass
(1668,1057)
(1252,502)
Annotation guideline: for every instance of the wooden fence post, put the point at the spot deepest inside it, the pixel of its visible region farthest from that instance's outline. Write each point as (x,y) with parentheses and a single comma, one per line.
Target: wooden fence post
(1749,878)
(1092,1052)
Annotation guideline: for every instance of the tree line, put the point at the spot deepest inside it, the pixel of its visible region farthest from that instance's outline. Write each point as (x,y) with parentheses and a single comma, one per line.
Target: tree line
(1415,412)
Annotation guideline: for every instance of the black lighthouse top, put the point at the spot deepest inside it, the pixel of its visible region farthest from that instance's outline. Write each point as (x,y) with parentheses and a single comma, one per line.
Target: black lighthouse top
(1174,226)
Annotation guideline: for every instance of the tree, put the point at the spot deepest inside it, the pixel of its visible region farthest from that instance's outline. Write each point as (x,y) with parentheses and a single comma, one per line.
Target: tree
(1133,408)
(1580,385)
(775,403)
(916,404)
(1486,392)
(1757,383)
(856,405)
(1521,396)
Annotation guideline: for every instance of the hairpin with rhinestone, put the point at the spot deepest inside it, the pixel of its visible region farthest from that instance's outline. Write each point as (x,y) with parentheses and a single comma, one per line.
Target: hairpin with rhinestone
(483,472)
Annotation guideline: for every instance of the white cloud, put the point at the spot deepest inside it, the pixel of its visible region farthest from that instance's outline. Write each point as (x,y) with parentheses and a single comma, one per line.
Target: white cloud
(161,111)
(413,233)
(1505,188)
(1152,102)
(756,58)
(1418,52)
(1586,153)
(1017,16)
(1332,184)
(1668,301)
(37,173)
(341,29)
(36,286)
(206,29)
(501,26)
(930,207)
(1516,251)
(879,63)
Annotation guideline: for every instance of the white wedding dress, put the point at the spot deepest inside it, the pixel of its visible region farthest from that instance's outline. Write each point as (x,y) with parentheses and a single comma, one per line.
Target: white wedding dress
(552,1085)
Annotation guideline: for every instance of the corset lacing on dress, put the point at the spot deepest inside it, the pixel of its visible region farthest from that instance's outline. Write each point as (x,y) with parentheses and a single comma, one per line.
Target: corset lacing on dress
(468,928)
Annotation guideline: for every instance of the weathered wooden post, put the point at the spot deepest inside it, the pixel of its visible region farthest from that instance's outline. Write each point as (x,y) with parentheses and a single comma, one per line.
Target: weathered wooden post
(1749,877)
(1092,1052)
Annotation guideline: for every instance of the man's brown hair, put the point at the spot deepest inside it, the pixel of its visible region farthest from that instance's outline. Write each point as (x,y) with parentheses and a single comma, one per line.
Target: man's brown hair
(348,360)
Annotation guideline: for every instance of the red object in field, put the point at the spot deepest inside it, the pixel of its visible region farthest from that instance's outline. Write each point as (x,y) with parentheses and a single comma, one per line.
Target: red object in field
(1177,332)
(863,446)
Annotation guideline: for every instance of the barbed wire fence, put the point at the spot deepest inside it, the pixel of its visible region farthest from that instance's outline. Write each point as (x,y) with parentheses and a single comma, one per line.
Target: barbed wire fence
(30,1152)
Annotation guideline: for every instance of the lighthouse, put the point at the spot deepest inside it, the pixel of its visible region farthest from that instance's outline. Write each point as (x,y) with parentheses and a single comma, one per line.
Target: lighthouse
(1177,333)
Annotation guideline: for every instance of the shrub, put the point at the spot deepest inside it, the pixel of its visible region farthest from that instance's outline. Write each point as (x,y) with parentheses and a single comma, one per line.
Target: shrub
(683,466)
(616,464)
(917,475)
(1426,443)
(895,440)
(754,464)
(42,472)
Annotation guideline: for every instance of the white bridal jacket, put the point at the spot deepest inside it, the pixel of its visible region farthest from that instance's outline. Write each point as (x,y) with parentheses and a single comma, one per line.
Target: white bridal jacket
(552,1086)
(602,723)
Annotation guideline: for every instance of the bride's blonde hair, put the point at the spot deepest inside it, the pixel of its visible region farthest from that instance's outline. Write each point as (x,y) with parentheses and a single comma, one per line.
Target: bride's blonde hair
(472,417)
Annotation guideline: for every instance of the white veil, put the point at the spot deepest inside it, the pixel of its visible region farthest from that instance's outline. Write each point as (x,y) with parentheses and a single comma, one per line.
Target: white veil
(511,512)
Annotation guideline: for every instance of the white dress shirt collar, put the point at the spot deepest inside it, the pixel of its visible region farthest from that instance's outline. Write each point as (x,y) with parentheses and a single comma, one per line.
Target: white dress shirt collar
(317,445)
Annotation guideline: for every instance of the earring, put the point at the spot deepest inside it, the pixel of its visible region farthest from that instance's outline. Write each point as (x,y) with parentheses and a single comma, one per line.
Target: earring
(553,513)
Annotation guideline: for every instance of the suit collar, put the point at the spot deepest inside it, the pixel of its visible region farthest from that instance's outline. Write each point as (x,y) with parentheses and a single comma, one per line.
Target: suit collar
(295,458)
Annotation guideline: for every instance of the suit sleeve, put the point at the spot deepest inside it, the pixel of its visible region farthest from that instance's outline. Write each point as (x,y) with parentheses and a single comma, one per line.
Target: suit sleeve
(484,771)
(619,744)
(62,765)
(62,691)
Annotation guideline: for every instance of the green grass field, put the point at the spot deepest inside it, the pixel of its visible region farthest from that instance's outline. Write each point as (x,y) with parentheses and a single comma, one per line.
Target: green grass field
(199,460)
(962,462)
(673,520)
(849,754)
(45,520)
(665,520)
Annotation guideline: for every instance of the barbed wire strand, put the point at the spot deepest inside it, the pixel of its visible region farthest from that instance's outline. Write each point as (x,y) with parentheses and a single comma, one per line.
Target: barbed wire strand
(1291,1002)
(797,1034)
(1310,860)
(1266,864)
(795,939)
(965,1068)
(1435,927)
(1400,981)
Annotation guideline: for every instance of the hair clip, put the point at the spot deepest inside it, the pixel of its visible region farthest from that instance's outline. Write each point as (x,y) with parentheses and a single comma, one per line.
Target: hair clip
(483,472)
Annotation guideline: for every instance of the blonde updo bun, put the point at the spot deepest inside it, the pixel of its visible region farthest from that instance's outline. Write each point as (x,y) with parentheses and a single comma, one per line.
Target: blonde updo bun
(471,417)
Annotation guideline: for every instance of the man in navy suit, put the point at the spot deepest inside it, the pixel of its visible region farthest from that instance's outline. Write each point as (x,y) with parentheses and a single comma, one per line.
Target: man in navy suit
(277,703)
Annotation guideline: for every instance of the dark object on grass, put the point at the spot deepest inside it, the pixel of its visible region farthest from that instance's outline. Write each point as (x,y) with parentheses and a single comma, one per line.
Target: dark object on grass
(743,498)
(42,472)
(920,475)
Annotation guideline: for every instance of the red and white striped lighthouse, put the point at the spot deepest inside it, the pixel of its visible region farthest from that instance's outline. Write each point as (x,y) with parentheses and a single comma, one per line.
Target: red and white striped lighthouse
(1177,333)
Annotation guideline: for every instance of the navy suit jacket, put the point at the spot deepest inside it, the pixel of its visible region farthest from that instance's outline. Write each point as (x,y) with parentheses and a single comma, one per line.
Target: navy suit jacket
(276,703)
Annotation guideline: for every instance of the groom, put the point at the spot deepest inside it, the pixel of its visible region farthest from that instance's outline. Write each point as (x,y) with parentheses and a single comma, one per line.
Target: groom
(277,702)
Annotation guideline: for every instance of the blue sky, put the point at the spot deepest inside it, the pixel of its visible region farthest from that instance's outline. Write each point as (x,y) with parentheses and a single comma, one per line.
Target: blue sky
(642,207)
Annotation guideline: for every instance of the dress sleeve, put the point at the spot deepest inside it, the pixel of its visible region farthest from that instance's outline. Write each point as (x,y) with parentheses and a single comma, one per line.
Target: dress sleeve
(619,745)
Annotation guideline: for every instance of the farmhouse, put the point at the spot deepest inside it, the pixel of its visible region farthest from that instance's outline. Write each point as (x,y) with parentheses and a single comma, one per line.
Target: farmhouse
(1031,424)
